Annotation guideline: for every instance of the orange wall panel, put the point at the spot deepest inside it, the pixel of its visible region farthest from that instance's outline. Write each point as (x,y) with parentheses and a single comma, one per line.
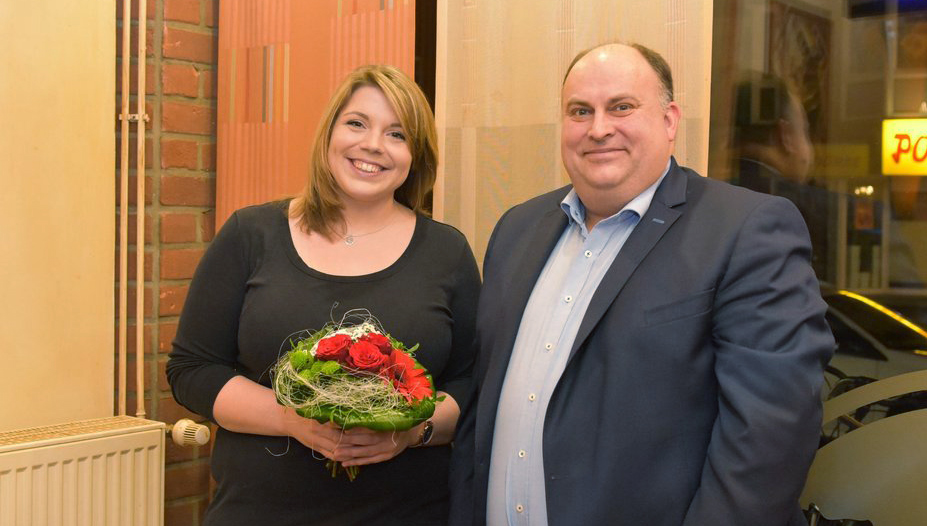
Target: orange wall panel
(279,62)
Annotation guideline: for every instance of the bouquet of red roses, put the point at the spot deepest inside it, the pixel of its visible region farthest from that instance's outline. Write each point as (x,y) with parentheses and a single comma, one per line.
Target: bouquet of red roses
(355,376)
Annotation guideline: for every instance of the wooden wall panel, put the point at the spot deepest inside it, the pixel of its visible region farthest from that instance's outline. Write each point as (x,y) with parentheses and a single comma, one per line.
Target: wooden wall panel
(57,214)
(499,69)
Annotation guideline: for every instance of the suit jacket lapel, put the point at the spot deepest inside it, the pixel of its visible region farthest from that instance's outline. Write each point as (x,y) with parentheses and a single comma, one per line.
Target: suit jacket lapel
(658,219)
(545,235)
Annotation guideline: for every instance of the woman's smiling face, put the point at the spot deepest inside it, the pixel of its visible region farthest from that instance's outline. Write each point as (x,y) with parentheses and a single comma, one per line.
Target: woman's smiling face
(368,152)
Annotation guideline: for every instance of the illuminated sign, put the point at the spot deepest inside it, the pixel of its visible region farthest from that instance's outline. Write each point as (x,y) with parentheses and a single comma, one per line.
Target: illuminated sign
(904,147)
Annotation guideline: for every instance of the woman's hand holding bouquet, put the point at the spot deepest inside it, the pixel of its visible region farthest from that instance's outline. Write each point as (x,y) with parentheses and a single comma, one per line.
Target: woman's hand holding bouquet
(364,390)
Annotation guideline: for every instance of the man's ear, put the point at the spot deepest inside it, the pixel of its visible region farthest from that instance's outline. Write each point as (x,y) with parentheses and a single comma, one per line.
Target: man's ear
(671,117)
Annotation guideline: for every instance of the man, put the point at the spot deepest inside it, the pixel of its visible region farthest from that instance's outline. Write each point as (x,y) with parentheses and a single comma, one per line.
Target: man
(771,127)
(651,341)
(774,154)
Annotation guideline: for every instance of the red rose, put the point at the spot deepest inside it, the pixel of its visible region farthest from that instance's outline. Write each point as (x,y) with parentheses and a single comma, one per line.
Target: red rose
(397,365)
(333,348)
(365,356)
(417,387)
(380,341)
(408,380)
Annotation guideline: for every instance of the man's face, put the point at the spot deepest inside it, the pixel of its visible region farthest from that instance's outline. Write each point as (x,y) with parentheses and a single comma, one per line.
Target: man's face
(796,141)
(617,135)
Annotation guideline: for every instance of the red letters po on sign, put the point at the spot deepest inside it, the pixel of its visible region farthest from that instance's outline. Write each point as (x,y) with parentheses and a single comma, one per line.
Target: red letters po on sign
(916,147)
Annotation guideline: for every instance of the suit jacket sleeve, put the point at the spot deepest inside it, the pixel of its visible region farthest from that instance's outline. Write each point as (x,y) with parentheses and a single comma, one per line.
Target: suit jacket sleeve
(462,512)
(772,342)
(461,472)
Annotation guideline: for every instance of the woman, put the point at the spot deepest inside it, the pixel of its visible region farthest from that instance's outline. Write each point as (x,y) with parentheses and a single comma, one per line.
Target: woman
(356,238)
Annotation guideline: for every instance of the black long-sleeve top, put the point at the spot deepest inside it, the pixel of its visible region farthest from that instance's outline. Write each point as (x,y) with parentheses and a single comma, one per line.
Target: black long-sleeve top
(252,291)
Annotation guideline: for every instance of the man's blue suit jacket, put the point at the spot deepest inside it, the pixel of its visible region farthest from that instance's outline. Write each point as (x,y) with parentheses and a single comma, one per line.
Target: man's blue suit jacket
(692,393)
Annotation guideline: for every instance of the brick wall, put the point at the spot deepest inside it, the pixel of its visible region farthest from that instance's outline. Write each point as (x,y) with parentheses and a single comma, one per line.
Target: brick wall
(180,93)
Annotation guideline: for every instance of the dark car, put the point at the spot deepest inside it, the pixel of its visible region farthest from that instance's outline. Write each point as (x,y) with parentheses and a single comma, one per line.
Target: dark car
(876,335)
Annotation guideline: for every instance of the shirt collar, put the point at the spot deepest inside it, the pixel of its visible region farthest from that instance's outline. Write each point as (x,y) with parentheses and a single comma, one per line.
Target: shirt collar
(575,211)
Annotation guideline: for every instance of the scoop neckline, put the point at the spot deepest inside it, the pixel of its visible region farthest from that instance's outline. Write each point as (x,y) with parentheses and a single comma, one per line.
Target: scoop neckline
(299,263)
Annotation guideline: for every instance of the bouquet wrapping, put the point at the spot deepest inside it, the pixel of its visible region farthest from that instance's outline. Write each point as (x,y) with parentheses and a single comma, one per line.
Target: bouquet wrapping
(355,376)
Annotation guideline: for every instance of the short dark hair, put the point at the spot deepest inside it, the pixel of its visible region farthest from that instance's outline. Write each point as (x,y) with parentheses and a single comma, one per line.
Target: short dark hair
(761,100)
(656,61)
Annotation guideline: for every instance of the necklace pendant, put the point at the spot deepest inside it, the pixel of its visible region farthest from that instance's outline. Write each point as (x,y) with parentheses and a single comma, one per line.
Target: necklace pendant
(349,240)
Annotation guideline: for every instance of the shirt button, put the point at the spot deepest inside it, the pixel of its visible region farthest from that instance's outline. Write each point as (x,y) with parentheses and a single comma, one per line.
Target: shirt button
(521,453)
(549,346)
(588,253)
(519,508)
(568,299)
(531,397)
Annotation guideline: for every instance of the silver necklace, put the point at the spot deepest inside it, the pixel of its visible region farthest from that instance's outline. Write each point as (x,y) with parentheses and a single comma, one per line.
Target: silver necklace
(350,239)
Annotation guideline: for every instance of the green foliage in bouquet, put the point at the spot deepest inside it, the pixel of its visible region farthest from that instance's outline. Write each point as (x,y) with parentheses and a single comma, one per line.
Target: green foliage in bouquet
(356,376)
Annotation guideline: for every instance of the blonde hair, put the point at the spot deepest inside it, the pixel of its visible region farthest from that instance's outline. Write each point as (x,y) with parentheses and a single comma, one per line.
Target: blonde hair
(319,206)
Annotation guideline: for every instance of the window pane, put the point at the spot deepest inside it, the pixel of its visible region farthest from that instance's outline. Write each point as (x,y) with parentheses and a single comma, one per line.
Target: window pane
(801,92)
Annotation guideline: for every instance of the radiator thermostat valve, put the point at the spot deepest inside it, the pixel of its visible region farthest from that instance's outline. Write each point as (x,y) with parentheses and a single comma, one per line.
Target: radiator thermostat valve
(186,432)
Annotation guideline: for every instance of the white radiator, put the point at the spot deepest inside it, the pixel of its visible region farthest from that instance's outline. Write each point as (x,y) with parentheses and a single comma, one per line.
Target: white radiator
(102,472)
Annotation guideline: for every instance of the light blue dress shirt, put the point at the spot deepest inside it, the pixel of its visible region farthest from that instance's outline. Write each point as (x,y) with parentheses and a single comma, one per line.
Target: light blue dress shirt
(548,329)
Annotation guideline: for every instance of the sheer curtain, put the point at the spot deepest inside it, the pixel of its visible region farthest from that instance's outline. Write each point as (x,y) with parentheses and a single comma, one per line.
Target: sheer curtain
(499,68)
